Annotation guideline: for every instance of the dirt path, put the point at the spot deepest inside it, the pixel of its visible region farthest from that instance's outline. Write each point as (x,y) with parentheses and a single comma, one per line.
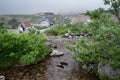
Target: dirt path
(49,69)
(72,70)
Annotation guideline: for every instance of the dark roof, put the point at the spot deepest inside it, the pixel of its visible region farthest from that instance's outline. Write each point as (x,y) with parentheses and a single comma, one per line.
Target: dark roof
(49,13)
(13,21)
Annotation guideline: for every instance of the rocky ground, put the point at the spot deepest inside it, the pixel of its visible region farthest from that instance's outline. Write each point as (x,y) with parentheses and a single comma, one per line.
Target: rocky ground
(62,67)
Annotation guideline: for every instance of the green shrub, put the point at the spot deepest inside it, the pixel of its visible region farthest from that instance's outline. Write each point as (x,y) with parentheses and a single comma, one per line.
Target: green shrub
(22,49)
(62,29)
(95,14)
(40,27)
(52,32)
(104,44)
(78,27)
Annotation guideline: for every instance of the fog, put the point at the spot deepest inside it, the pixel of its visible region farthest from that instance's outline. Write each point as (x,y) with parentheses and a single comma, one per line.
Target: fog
(56,6)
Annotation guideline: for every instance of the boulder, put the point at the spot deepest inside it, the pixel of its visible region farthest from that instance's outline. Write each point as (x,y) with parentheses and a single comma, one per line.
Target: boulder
(69,31)
(106,72)
(2,77)
(48,43)
(70,37)
(66,35)
(56,53)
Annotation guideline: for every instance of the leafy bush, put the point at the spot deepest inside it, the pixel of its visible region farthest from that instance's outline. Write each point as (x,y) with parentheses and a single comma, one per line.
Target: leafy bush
(62,29)
(103,45)
(78,28)
(95,14)
(52,32)
(21,49)
(40,27)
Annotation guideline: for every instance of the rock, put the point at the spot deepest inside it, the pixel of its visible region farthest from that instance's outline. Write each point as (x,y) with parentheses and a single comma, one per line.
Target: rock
(51,45)
(2,77)
(77,34)
(69,31)
(55,46)
(56,53)
(90,68)
(61,66)
(83,34)
(77,37)
(70,37)
(48,44)
(106,72)
(66,35)
(63,63)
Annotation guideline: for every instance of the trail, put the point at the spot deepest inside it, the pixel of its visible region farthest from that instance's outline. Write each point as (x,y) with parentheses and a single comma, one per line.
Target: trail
(48,69)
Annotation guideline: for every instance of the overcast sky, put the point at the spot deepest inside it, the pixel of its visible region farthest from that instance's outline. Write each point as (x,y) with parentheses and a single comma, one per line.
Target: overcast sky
(56,6)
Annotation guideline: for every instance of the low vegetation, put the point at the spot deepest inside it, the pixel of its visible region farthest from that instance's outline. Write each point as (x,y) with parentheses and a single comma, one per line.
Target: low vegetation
(114,7)
(21,49)
(62,29)
(40,27)
(103,44)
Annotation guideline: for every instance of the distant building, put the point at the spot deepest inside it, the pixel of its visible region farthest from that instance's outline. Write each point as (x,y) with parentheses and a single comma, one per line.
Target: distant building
(44,23)
(24,26)
(49,18)
(80,19)
(13,23)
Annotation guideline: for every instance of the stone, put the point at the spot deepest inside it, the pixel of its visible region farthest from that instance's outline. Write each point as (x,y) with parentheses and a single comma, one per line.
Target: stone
(51,45)
(56,53)
(82,34)
(77,37)
(69,31)
(63,63)
(107,72)
(66,35)
(61,66)
(70,37)
(2,77)
(48,44)
(55,46)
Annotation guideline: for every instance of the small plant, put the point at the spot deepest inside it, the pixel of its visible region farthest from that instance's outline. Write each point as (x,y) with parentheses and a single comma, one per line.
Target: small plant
(40,27)
(63,29)
(52,32)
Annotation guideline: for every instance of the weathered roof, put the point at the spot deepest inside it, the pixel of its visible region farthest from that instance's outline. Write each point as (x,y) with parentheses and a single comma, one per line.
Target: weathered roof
(27,24)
